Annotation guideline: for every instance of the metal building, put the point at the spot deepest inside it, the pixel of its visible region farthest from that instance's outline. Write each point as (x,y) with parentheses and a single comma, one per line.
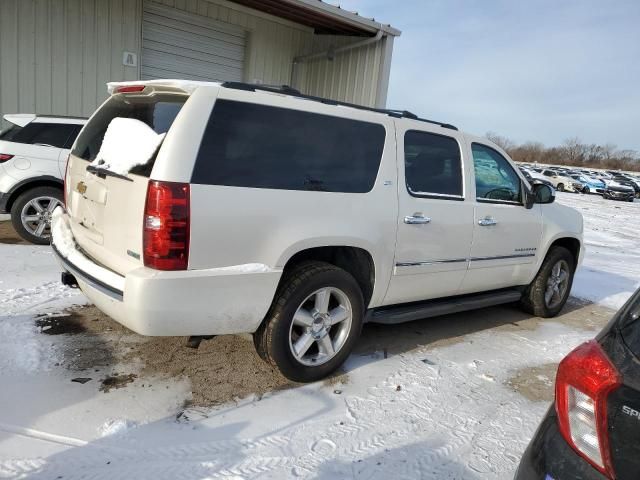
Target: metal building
(57,55)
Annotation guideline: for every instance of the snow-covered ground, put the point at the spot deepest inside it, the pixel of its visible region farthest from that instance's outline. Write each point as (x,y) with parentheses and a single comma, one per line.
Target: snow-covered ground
(440,412)
(610,272)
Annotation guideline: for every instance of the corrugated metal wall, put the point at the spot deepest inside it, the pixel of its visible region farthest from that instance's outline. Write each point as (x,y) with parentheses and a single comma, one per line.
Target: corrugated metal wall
(57,55)
(352,76)
(273,42)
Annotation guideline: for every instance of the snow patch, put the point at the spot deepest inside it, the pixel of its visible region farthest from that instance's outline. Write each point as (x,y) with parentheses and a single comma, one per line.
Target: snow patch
(127,143)
(245,268)
(116,426)
(22,351)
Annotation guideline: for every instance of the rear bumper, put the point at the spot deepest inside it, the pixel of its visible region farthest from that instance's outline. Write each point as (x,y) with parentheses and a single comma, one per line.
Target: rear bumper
(157,303)
(549,457)
(4,198)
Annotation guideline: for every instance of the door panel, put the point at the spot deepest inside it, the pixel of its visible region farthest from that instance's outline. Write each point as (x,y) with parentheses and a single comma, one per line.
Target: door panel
(505,233)
(435,222)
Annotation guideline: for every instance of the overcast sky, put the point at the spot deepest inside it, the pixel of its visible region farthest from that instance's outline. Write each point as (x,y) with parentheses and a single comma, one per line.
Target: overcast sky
(539,70)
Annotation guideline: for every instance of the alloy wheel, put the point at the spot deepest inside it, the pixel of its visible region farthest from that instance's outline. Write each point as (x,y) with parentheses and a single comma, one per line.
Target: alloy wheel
(557,284)
(320,326)
(36,215)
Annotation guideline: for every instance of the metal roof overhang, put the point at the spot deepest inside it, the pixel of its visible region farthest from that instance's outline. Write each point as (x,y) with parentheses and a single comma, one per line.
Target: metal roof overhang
(322,17)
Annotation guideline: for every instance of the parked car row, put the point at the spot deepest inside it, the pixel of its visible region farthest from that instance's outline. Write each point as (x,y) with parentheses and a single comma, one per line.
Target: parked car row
(610,184)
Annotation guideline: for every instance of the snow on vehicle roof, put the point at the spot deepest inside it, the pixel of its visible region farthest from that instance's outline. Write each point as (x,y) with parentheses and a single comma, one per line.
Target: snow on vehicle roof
(20,119)
(188,86)
(24,119)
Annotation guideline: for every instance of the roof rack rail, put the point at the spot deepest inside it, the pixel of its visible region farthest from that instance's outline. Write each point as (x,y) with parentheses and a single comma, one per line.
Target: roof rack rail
(287,90)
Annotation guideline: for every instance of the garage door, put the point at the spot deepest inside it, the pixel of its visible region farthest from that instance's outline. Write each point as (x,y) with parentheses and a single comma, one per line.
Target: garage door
(177,44)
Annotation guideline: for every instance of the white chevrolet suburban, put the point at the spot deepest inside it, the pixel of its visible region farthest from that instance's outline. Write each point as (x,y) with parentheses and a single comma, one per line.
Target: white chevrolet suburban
(297,219)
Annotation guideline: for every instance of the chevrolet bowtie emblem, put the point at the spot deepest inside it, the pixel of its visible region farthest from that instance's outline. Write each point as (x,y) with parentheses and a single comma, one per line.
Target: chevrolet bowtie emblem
(81,187)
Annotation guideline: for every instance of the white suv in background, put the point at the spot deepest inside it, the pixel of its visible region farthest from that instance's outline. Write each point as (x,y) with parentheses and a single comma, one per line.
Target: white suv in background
(33,155)
(249,209)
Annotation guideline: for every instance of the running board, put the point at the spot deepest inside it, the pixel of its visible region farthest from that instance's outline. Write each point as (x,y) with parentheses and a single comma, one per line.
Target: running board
(434,308)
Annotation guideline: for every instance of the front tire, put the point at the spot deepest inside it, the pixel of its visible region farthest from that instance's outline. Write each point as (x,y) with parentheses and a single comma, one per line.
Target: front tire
(586,191)
(547,294)
(314,322)
(560,187)
(31,213)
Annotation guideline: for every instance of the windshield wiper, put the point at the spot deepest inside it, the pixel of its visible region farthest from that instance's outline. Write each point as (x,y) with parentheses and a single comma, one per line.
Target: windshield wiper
(105,172)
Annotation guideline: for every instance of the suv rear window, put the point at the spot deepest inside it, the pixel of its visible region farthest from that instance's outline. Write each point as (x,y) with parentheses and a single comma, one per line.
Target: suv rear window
(40,133)
(258,146)
(157,111)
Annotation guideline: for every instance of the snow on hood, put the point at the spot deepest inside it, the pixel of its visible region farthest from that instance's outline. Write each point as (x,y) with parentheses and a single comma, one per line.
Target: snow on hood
(127,143)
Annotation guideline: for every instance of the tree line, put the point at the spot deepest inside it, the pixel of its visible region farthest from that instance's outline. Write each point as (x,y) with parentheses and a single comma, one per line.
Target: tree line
(572,152)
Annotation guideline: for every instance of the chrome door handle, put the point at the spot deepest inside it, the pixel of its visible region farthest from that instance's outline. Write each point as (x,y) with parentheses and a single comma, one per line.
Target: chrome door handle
(487,222)
(416,220)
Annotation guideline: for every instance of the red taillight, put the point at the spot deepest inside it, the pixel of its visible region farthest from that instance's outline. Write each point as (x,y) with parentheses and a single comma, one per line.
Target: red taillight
(166,226)
(585,378)
(129,89)
(4,157)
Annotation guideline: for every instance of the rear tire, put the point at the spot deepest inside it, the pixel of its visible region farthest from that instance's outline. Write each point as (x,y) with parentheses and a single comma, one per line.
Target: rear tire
(547,294)
(31,213)
(303,339)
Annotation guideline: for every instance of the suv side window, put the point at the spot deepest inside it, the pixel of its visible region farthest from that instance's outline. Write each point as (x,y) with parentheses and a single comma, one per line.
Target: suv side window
(496,180)
(53,134)
(259,146)
(433,165)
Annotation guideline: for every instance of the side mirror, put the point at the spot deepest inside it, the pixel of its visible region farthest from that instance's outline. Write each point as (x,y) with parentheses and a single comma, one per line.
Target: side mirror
(543,193)
(540,193)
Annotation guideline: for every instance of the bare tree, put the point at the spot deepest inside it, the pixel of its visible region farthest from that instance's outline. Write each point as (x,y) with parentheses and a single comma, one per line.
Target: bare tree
(572,152)
(502,142)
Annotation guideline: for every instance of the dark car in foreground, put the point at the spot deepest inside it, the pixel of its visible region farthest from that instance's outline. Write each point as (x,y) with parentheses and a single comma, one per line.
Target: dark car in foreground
(592,432)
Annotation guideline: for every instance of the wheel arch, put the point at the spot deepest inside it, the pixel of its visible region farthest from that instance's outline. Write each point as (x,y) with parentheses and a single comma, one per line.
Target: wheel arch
(570,243)
(30,183)
(355,260)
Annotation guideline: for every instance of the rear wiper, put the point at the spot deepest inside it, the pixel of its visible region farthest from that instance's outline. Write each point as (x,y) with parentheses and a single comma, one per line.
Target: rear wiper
(104,172)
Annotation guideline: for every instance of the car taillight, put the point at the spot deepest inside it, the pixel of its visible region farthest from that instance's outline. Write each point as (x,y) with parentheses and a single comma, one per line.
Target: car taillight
(5,157)
(585,378)
(129,89)
(166,226)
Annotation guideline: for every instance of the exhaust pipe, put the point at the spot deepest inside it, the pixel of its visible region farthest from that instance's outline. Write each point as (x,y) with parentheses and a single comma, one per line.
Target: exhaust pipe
(69,280)
(194,341)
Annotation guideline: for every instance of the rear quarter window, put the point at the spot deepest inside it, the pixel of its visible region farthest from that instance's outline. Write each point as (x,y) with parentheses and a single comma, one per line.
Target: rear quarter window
(157,111)
(258,146)
(40,133)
